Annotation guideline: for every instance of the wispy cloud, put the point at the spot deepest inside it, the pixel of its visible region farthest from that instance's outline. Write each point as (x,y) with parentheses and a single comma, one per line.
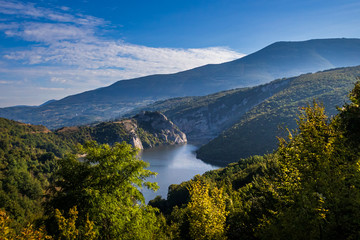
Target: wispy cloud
(51,89)
(29,10)
(5,82)
(65,51)
(47,32)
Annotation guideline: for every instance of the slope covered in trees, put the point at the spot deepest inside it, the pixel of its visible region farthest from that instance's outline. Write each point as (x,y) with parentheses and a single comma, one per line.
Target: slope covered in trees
(309,188)
(256,131)
(28,156)
(204,118)
(244,122)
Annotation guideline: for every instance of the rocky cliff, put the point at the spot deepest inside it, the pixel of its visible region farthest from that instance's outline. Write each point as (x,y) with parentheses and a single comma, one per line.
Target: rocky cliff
(160,127)
(204,118)
(145,130)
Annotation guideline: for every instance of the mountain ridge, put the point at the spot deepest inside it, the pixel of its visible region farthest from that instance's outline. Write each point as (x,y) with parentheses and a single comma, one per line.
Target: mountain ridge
(256,132)
(243,122)
(280,59)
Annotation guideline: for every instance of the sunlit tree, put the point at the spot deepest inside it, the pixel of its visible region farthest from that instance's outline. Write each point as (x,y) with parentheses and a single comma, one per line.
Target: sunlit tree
(207,213)
(316,186)
(104,182)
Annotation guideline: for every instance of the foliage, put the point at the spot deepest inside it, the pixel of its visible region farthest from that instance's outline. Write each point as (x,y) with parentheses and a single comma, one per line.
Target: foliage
(307,189)
(255,132)
(349,117)
(206,211)
(27,160)
(7,232)
(68,229)
(316,185)
(104,185)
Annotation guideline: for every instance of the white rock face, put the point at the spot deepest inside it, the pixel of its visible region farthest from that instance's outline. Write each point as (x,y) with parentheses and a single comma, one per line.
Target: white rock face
(204,123)
(150,129)
(136,142)
(161,127)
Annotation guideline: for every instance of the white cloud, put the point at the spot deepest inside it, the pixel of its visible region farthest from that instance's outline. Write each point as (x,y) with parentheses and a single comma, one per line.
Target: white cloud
(64,8)
(31,11)
(65,50)
(51,89)
(58,80)
(121,60)
(48,32)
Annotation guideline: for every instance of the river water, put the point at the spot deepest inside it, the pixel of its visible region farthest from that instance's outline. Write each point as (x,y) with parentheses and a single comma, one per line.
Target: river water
(174,164)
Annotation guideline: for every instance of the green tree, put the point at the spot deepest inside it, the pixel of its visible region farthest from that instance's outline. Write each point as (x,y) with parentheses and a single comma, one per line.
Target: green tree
(316,186)
(8,232)
(349,118)
(103,182)
(67,227)
(207,213)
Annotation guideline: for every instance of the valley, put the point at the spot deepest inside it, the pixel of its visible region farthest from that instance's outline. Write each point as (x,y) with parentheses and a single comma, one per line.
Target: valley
(261,139)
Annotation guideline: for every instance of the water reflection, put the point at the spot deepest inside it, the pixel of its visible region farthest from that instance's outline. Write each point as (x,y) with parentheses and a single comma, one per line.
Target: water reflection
(174,164)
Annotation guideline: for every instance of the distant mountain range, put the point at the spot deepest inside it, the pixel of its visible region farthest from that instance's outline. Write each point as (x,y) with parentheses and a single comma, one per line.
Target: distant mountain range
(281,59)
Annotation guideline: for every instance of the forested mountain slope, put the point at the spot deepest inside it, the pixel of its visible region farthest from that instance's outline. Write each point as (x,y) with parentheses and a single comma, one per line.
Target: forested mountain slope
(256,131)
(253,117)
(204,118)
(28,156)
(307,189)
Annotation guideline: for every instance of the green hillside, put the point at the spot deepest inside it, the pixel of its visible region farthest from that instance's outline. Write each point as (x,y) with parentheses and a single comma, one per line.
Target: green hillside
(307,189)
(204,118)
(28,157)
(256,131)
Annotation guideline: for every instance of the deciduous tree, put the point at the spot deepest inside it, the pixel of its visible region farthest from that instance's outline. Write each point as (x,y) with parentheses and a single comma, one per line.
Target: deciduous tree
(207,213)
(104,182)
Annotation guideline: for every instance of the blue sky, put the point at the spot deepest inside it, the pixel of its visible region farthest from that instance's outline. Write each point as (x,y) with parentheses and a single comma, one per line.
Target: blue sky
(51,49)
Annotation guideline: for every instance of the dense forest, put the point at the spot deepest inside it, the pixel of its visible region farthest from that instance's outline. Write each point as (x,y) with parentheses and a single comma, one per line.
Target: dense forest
(308,188)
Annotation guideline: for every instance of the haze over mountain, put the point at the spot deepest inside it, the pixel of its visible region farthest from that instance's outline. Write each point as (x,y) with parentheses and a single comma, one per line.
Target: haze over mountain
(281,59)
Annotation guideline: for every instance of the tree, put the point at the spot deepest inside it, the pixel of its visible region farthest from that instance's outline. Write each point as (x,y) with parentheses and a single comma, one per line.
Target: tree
(68,229)
(103,182)
(207,213)
(316,185)
(7,231)
(349,117)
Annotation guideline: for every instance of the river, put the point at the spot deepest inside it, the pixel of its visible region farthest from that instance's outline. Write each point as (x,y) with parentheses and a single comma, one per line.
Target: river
(174,164)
